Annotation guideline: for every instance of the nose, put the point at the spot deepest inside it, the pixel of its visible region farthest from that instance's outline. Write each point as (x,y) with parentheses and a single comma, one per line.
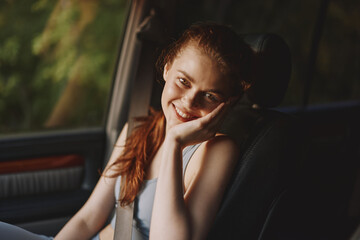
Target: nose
(191,100)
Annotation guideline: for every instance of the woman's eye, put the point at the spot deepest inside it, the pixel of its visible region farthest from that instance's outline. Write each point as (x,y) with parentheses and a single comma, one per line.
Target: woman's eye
(211,97)
(184,82)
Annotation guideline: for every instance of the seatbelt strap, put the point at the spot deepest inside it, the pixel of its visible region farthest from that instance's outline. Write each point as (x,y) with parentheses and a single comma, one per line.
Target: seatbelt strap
(139,103)
(124,218)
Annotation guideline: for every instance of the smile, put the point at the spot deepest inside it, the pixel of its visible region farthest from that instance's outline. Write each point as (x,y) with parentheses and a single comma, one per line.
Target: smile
(183,115)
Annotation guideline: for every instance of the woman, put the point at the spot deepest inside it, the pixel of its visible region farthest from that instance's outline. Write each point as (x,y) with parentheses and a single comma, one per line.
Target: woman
(176,164)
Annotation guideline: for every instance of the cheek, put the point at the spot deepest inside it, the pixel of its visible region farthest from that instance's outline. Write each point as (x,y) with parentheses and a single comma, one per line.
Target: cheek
(170,92)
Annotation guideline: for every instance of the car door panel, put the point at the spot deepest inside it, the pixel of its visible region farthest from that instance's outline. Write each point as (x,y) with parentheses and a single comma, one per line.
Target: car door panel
(64,167)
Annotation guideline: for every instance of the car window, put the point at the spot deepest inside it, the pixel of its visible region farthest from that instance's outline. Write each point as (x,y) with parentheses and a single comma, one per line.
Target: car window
(335,76)
(285,18)
(57,60)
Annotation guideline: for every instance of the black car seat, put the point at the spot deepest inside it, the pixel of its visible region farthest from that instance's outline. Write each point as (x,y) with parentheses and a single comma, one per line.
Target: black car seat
(270,143)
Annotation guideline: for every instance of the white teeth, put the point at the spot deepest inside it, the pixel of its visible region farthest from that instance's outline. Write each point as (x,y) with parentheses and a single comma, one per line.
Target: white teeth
(184,115)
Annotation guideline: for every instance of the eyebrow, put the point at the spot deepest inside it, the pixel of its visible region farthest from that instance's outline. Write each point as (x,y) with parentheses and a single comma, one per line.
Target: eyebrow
(187,75)
(192,80)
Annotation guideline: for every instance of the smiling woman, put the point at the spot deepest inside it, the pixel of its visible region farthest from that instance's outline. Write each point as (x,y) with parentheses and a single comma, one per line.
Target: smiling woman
(193,87)
(58,59)
(167,163)
(201,74)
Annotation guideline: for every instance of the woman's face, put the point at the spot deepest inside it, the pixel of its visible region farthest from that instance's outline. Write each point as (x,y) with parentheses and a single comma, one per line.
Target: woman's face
(194,87)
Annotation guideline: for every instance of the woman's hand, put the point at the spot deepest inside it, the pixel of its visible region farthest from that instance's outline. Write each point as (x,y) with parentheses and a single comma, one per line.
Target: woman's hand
(200,129)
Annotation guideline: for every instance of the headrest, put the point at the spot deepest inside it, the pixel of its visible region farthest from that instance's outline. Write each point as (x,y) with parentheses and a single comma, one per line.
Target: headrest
(271,69)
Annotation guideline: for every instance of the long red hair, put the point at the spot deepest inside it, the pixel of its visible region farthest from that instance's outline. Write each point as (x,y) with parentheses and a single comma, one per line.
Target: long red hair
(233,57)
(140,148)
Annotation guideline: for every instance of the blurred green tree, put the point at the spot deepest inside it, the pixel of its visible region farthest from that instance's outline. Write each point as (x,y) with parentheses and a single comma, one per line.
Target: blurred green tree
(57,59)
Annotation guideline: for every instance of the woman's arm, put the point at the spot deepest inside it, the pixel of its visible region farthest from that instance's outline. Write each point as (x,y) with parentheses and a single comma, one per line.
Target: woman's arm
(189,215)
(93,215)
(170,218)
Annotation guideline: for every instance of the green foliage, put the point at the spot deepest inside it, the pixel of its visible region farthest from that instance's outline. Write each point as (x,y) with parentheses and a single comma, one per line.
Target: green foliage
(9,52)
(57,60)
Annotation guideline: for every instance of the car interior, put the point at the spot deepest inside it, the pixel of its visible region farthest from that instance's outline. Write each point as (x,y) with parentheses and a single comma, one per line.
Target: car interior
(297,126)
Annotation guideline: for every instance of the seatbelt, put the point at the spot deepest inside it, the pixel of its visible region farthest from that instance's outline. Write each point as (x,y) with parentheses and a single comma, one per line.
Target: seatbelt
(124,219)
(124,215)
(139,103)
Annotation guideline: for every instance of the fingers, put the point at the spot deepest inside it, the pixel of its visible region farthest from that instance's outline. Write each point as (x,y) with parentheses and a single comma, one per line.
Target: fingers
(203,128)
(215,118)
(218,114)
(215,113)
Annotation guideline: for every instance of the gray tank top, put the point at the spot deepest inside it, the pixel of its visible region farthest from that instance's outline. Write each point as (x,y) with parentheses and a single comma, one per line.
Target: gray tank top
(144,201)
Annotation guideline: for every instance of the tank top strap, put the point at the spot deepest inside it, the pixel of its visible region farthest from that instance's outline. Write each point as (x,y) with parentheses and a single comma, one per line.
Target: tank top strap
(187,154)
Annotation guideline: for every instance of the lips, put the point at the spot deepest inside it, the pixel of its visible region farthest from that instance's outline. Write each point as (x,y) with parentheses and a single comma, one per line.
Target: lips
(183,116)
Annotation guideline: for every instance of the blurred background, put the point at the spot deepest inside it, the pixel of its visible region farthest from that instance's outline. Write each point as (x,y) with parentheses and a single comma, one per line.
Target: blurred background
(58,57)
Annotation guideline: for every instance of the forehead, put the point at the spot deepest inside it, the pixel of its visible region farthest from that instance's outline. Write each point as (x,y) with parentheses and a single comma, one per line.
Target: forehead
(201,68)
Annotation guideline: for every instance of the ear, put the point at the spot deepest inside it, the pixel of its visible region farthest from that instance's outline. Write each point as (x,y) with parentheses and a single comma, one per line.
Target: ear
(166,71)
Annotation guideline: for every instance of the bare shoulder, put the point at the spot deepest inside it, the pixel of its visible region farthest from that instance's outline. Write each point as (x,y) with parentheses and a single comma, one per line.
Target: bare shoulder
(122,136)
(215,159)
(220,147)
(211,165)
(221,142)
(119,145)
